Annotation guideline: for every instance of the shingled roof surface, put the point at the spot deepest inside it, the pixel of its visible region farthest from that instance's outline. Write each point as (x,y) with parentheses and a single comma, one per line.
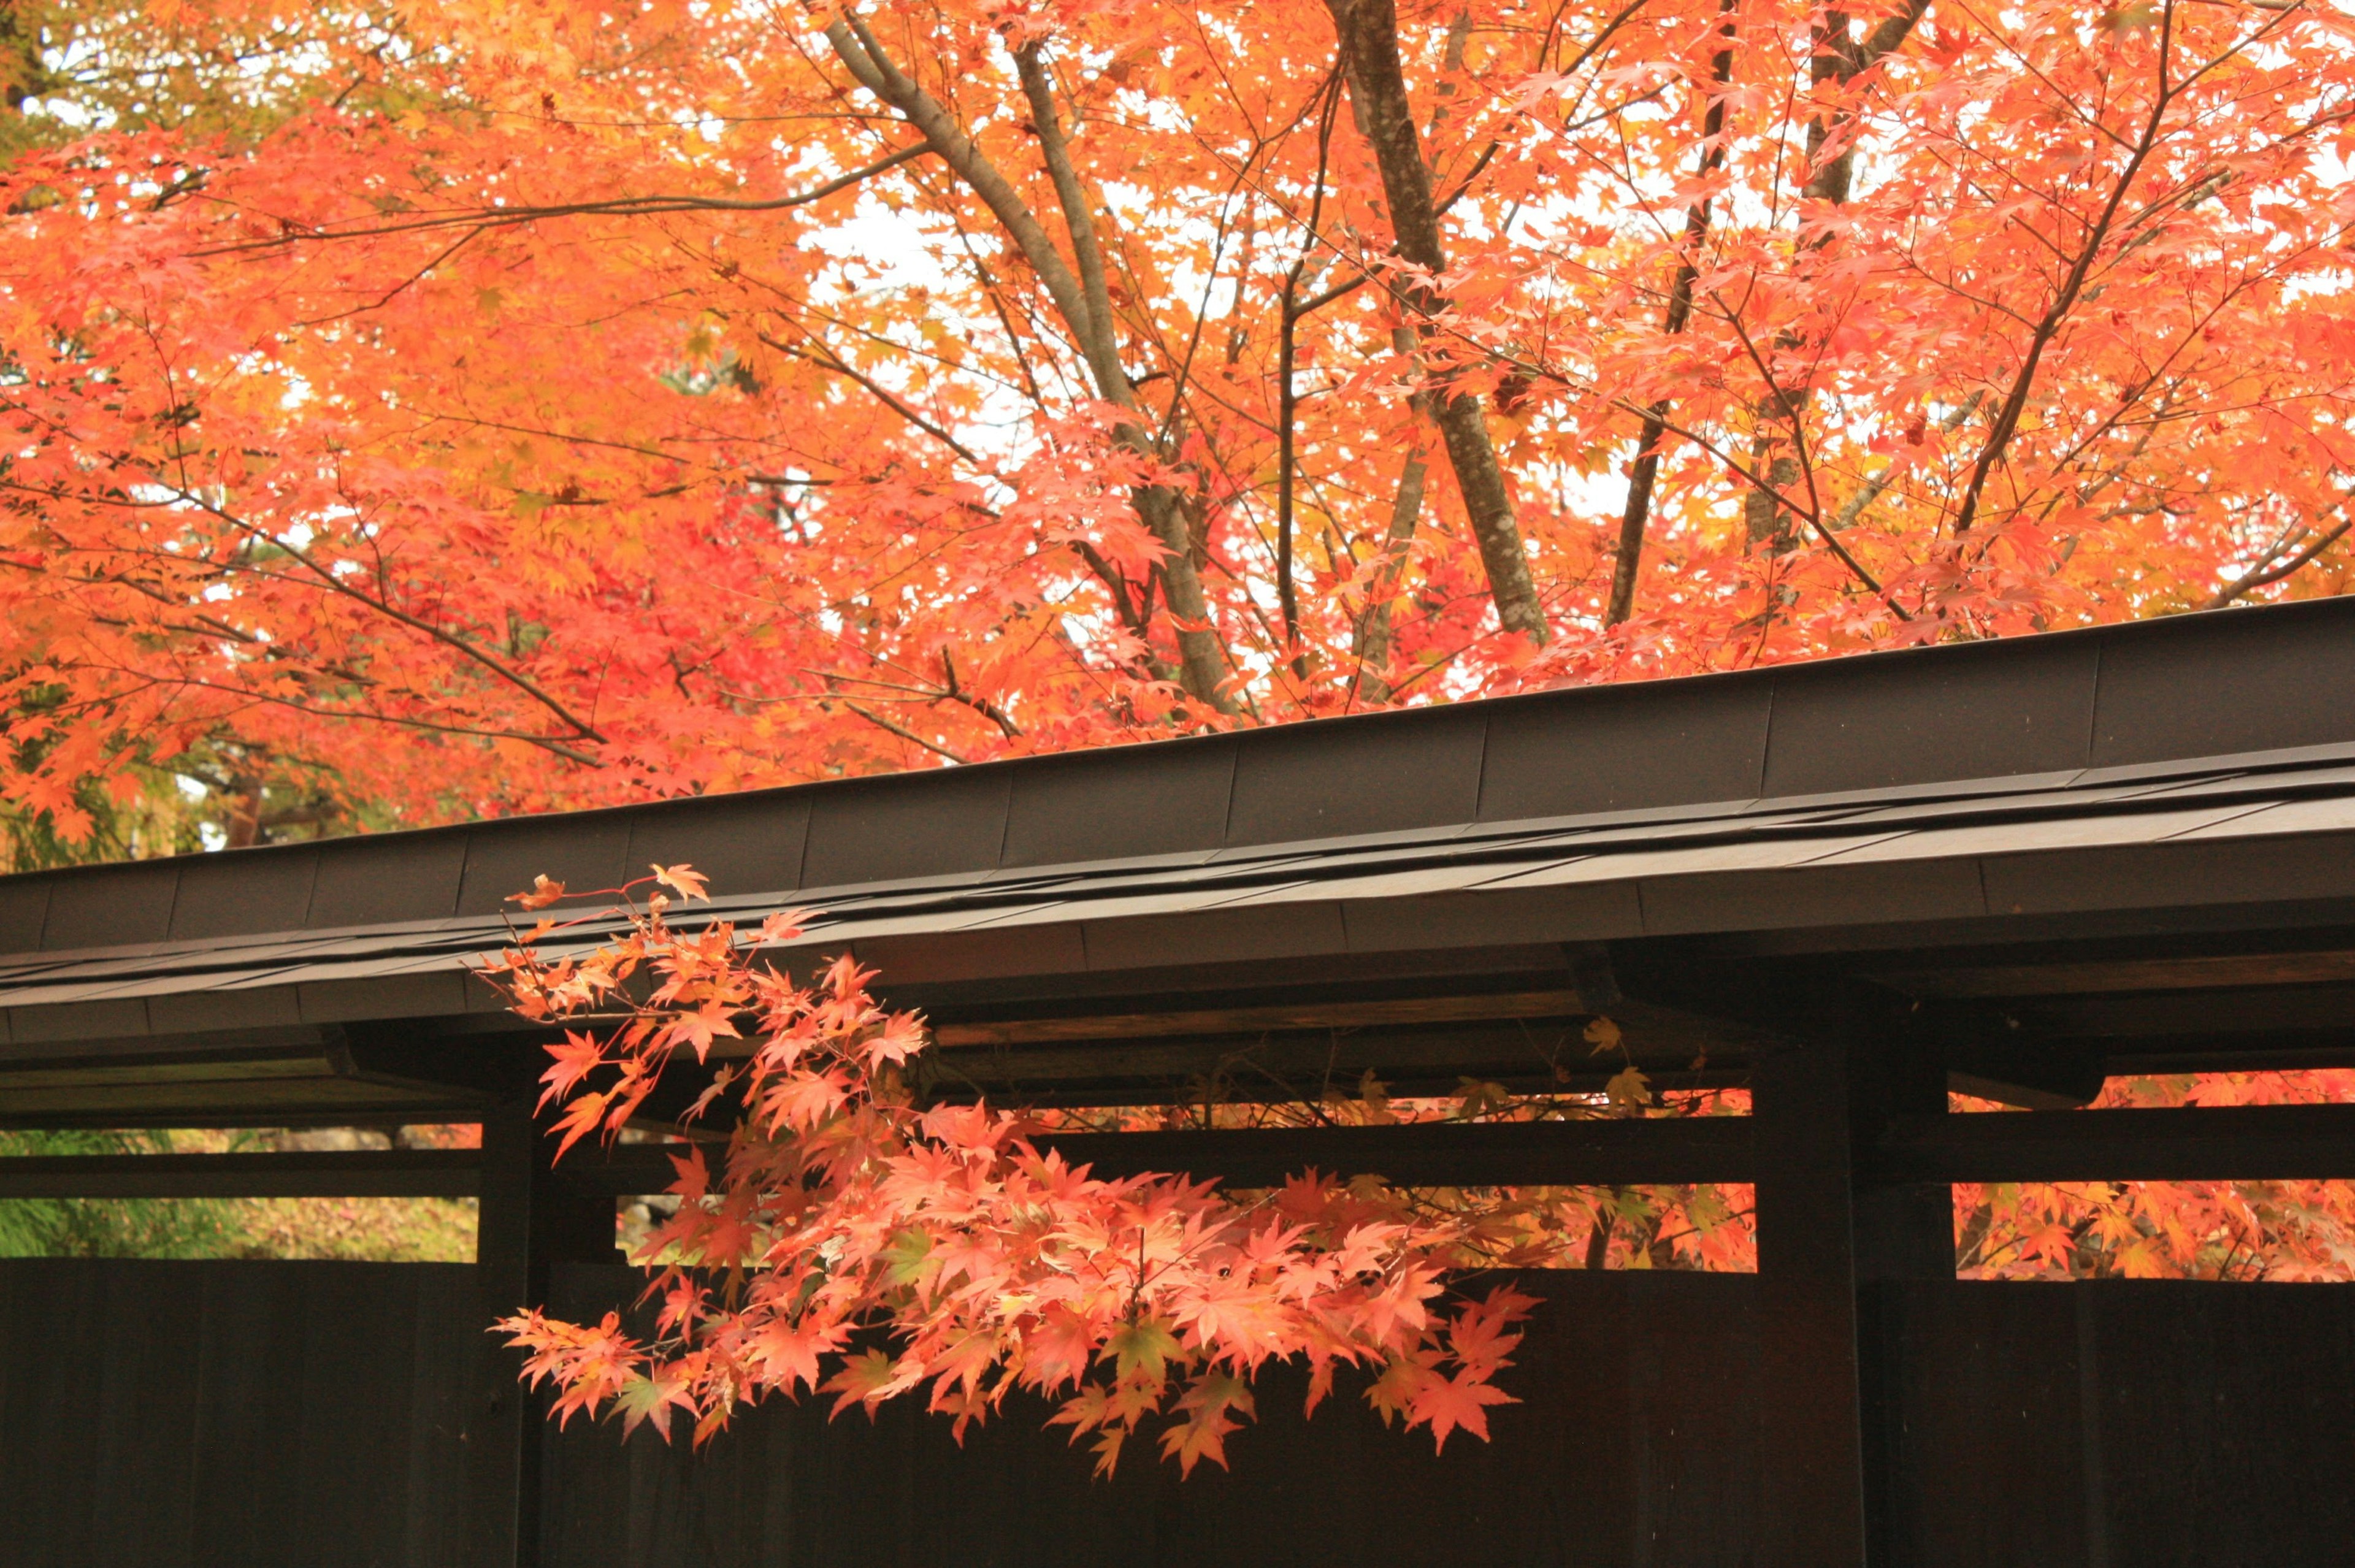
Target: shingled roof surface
(2209,730)
(2198,759)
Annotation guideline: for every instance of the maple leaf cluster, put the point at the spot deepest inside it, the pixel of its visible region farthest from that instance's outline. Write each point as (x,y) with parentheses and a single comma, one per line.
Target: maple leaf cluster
(2254,1229)
(853,1243)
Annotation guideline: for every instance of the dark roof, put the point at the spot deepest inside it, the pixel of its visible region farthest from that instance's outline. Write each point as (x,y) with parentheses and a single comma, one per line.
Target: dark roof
(2202,760)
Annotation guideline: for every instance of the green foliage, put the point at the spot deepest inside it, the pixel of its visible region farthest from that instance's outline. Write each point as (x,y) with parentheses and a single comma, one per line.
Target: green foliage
(109,1228)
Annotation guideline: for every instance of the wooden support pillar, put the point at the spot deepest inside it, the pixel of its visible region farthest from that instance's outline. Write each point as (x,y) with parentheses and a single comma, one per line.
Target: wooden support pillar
(1904,1239)
(528,1221)
(1905,1229)
(1811,1440)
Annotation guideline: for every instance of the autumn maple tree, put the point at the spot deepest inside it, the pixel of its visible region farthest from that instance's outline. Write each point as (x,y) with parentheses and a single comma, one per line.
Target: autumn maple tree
(615,402)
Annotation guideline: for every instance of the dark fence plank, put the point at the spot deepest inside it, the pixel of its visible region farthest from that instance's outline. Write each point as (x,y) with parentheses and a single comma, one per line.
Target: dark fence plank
(231,1415)
(2126,1423)
(1632,1445)
(2218,1142)
(252,1415)
(317,1173)
(1986,1438)
(2224,1423)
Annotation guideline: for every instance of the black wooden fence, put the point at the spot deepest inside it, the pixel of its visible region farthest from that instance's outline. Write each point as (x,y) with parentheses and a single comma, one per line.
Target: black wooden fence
(249,1414)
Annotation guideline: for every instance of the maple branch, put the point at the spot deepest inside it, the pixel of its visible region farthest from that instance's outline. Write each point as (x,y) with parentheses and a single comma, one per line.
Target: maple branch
(1840,58)
(1872,489)
(2255,579)
(1373,633)
(882,724)
(1367,31)
(864,56)
(1287,395)
(981,705)
(1636,520)
(1837,60)
(334,584)
(1201,652)
(827,359)
(1759,483)
(1100,344)
(416,276)
(1136,618)
(1361,277)
(320,710)
(480,219)
(2014,403)
(1792,402)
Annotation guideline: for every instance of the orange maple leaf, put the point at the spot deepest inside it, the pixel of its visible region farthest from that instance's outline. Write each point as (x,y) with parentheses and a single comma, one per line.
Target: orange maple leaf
(1461,1401)
(543,893)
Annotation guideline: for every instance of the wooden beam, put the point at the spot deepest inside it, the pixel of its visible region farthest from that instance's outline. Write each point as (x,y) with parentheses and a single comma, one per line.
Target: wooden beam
(2185,972)
(363,1173)
(1428,1059)
(1658,1150)
(1602,1153)
(1252,1021)
(2197,1144)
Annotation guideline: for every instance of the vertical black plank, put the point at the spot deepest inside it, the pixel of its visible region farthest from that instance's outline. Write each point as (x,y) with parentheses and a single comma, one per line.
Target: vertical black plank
(445,1342)
(1693,1410)
(495,1429)
(250,1415)
(358,1363)
(51,1333)
(1988,1426)
(2093,1464)
(2223,1427)
(1811,1436)
(145,1385)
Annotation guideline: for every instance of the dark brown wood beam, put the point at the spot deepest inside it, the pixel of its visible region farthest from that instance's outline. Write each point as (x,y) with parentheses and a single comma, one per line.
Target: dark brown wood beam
(1432,1058)
(2198,1144)
(1248,1020)
(361,1173)
(2187,972)
(1603,1153)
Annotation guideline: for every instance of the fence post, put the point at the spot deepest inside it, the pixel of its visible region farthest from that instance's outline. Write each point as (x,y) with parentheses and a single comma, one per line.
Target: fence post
(526,1223)
(1904,1245)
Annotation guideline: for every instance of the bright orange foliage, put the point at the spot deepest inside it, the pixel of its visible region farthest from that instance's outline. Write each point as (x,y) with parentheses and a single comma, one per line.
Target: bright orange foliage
(857,1244)
(2285,1230)
(683,397)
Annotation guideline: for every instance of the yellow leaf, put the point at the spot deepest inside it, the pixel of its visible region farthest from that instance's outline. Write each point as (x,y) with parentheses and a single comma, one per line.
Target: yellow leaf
(1145,1345)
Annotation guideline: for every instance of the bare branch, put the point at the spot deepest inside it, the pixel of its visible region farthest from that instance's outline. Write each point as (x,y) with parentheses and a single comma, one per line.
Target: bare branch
(481,218)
